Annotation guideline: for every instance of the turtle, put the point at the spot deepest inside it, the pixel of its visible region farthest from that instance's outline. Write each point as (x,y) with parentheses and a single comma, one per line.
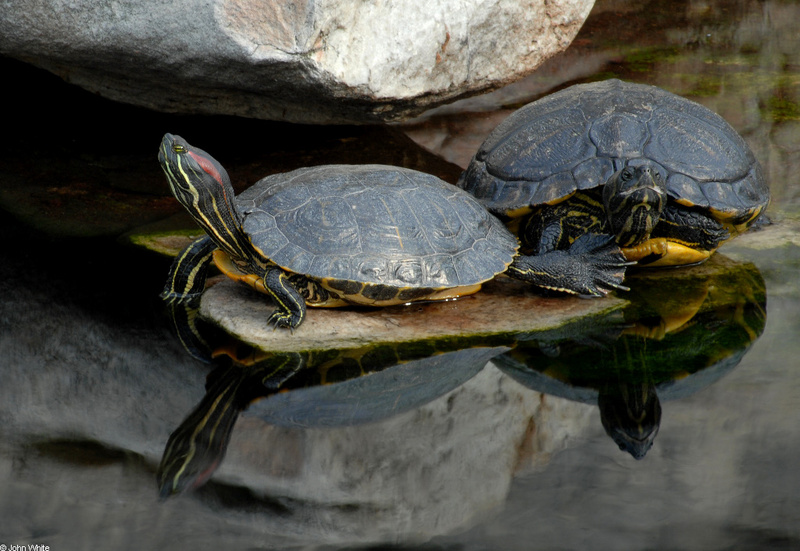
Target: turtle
(600,176)
(332,235)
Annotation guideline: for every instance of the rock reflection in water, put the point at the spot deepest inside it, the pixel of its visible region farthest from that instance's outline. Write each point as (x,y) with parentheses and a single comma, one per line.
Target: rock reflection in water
(682,331)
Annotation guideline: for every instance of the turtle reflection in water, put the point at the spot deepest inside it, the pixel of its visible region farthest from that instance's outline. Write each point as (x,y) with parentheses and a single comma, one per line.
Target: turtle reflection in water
(682,332)
(311,389)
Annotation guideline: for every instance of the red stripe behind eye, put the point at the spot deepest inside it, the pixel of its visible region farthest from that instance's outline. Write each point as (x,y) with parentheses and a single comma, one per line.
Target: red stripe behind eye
(208,166)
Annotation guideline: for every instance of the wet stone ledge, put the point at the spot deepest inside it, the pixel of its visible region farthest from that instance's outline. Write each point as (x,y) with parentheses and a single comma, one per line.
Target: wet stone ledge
(503,306)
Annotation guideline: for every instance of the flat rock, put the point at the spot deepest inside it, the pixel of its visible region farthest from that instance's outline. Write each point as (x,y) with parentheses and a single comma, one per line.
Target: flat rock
(503,306)
(319,62)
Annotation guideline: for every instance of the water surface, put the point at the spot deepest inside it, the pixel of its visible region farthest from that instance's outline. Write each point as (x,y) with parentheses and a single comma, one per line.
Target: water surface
(498,455)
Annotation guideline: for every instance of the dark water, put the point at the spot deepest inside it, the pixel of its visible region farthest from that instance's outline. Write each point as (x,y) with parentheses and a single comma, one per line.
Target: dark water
(456,454)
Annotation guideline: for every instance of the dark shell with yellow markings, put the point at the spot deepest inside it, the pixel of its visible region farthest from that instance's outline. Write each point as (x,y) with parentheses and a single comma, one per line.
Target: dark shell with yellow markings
(375,229)
(575,139)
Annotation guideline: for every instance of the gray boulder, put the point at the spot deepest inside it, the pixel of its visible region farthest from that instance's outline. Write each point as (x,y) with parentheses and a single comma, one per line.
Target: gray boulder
(313,61)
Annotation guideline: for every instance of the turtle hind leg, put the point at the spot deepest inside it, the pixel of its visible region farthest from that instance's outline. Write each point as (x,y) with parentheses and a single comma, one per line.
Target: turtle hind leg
(692,228)
(187,275)
(593,266)
(290,308)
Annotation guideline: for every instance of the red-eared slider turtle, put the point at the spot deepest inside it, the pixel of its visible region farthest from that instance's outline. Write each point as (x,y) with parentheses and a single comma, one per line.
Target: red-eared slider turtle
(332,235)
(669,179)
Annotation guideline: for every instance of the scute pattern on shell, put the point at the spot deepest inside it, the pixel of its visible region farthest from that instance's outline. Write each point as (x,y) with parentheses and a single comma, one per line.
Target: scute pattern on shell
(577,137)
(375,224)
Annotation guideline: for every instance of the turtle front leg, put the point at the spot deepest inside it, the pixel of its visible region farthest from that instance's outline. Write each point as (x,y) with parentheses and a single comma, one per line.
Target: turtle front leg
(569,250)
(290,305)
(187,275)
(592,266)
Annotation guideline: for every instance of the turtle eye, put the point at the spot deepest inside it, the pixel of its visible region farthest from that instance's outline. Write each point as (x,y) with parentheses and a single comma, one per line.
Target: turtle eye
(177,148)
(626,175)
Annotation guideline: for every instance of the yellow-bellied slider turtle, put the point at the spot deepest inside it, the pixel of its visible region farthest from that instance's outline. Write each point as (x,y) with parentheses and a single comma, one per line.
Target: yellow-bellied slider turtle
(666,177)
(332,235)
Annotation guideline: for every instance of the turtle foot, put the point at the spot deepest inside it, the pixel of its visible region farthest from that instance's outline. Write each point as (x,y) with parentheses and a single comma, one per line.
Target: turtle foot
(593,267)
(284,320)
(291,307)
(604,264)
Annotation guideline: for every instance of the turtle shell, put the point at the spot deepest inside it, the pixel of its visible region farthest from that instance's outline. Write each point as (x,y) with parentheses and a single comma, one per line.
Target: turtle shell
(576,138)
(377,224)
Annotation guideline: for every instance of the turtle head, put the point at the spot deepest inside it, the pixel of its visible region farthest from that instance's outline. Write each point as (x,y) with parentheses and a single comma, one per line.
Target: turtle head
(634,198)
(203,187)
(631,416)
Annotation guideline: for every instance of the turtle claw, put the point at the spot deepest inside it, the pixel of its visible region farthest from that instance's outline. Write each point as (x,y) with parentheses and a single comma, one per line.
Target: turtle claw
(281,319)
(601,280)
(603,262)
